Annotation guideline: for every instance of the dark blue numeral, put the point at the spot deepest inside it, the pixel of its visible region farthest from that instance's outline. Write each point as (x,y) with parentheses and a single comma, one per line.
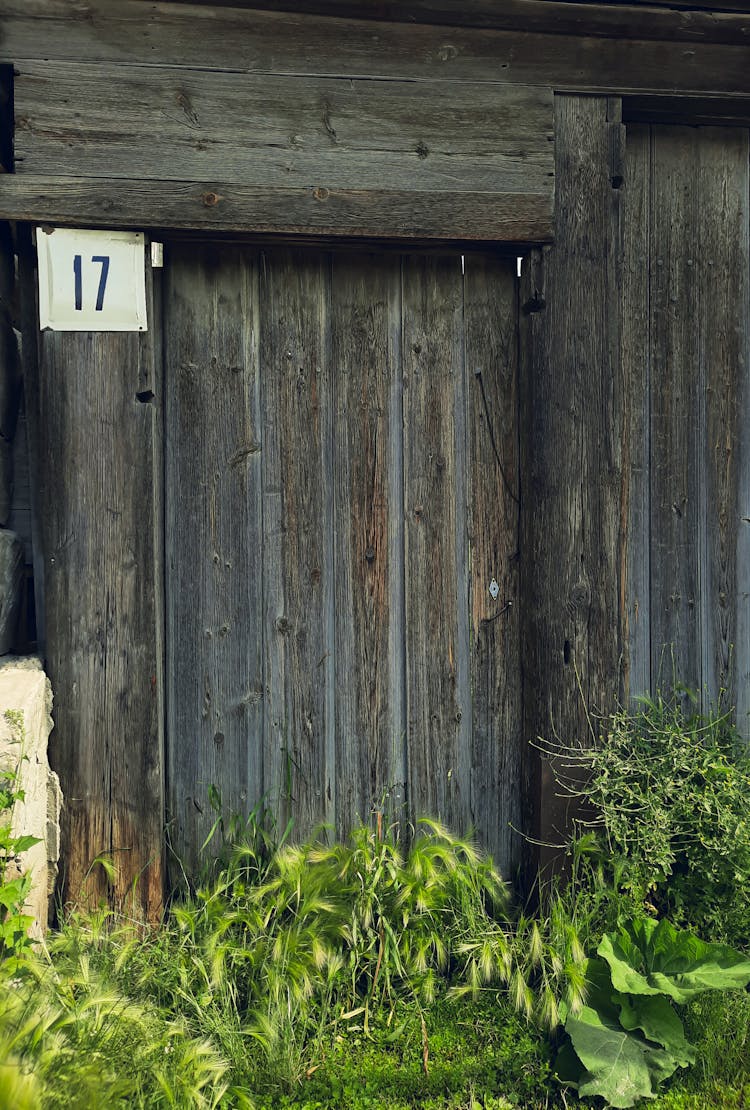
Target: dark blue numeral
(79,282)
(104,260)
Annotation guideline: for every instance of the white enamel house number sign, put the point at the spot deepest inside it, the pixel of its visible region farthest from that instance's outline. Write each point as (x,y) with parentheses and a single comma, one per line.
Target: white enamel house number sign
(91,280)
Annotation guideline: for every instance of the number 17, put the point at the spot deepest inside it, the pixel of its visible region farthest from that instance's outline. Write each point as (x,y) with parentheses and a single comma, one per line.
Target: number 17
(103,260)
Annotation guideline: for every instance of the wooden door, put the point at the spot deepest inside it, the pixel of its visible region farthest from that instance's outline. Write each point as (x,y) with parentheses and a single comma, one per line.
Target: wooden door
(342,512)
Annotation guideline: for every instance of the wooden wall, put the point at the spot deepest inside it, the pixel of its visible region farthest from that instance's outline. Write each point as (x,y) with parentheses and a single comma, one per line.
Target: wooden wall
(419,123)
(686,311)
(635,363)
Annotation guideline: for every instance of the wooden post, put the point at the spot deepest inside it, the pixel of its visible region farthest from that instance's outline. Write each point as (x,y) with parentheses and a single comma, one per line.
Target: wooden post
(97,431)
(573,518)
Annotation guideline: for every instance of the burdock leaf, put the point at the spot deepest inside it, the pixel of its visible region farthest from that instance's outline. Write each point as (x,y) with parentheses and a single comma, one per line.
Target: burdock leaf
(615,1060)
(647,958)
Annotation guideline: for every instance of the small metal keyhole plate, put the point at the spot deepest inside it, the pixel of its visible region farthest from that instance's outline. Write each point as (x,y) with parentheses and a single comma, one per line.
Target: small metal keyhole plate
(494,589)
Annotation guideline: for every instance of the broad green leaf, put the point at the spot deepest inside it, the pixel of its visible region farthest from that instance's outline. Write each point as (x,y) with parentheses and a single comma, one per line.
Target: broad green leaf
(568,1068)
(13,893)
(615,1061)
(23,843)
(647,958)
(656,1018)
(600,995)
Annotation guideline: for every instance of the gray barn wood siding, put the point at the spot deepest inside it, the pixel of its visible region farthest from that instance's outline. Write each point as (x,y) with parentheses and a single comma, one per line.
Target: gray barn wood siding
(687,309)
(335,515)
(608,500)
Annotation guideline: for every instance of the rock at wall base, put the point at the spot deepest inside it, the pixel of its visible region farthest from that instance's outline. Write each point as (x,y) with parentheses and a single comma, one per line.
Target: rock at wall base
(25,725)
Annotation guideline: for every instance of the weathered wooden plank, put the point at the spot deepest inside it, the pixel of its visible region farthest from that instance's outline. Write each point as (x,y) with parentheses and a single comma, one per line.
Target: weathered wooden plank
(222,207)
(741,297)
(6,119)
(368,510)
(635,600)
(682,110)
(370,39)
(299,664)
(580,15)
(29,319)
(571,470)
(439,765)
(677,415)
(97,487)
(20,516)
(213,530)
(721,267)
(81,119)
(497,755)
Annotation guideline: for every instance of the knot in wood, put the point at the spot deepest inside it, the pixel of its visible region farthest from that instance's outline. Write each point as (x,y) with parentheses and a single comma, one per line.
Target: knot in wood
(370,554)
(210,200)
(580,595)
(321,193)
(447,52)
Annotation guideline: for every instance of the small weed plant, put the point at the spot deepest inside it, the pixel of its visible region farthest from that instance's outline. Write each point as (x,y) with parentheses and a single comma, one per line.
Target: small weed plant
(15,884)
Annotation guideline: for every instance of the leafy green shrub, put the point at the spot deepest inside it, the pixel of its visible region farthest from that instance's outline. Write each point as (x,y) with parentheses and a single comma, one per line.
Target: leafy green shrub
(671,787)
(628,1038)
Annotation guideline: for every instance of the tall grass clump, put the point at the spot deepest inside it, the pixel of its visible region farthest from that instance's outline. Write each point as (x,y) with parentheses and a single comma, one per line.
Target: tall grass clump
(291,942)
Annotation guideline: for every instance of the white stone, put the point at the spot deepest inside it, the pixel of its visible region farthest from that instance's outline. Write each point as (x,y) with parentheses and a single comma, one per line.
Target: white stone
(25,693)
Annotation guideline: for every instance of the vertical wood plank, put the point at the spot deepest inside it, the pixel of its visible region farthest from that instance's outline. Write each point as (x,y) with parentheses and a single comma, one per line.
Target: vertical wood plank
(213,527)
(97,490)
(439,764)
(491,336)
(299,664)
(740,694)
(572,531)
(723,278)
(635,603)
(677,415)
(365,326)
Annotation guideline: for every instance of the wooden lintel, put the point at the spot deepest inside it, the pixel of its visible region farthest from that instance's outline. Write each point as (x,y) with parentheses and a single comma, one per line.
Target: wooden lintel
(211,206)
(690,111)
(728,21)
(562,46)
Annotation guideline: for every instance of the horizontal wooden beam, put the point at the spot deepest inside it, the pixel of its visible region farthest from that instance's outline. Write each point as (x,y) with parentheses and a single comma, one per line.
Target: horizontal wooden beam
(728,21)
(83,120)
(221,208)
(654,53)
(708,111)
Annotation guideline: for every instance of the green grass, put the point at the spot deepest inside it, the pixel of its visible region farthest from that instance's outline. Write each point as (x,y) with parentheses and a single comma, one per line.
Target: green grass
(120,1017)
(388,972)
